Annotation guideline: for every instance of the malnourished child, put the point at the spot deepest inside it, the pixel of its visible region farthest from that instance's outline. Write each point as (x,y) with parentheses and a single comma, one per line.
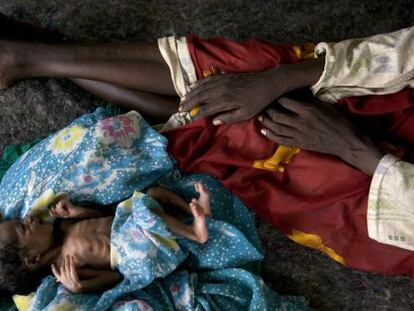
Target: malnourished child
(81,246)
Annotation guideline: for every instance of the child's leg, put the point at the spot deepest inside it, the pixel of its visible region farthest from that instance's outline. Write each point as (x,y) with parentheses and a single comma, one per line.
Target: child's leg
(197,231)
(169,198)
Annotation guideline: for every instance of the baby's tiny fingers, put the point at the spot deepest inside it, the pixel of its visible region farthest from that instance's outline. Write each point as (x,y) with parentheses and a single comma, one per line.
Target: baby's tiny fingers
(55,272)
(74,273)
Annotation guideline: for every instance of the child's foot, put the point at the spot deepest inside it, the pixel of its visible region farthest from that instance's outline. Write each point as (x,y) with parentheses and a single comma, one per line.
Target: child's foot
(204,199)
(199,223)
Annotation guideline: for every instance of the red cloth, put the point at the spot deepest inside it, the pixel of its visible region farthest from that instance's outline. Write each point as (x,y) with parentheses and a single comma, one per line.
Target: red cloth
(317,194)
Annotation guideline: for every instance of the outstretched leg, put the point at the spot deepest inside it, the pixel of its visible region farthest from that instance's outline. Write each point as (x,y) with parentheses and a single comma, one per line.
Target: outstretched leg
(157,108)
(131,65)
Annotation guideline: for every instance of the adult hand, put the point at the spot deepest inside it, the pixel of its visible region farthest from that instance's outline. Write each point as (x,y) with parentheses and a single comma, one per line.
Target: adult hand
(240,96)
(320,128)
(232,97)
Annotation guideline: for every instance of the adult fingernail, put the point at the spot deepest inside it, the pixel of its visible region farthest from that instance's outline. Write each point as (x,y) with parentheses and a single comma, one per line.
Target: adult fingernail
(263,131)
(217,122)
(260,118)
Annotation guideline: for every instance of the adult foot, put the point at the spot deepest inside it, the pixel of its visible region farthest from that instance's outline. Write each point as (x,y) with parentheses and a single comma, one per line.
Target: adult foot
(14,56)
(199,223)
(204,199)
(13,52)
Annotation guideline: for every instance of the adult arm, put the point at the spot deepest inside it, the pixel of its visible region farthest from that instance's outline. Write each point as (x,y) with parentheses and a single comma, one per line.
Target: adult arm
(380,64)
(390,203)
(322,128)
(241,96)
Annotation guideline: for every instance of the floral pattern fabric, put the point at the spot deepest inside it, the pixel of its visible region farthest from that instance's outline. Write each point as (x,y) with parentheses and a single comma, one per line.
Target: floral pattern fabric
(110,160)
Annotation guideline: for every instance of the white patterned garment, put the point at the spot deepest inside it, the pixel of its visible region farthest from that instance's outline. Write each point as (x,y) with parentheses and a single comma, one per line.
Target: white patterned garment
(390,203)
(381,64)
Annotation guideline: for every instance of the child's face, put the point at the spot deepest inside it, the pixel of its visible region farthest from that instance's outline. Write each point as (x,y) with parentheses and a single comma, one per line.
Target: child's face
(29,234)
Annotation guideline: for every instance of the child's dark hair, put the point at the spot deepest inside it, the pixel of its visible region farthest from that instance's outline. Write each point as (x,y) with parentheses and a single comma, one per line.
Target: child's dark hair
(15,278)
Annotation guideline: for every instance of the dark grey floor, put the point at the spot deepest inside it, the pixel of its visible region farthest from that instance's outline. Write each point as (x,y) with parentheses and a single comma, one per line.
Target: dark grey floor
(34,108)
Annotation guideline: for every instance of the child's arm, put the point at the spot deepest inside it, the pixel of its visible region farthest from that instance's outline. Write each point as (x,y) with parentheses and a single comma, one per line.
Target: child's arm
(84,280)
(65,209)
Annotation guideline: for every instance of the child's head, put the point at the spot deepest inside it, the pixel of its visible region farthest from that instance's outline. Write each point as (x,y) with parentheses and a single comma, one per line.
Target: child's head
(22,244)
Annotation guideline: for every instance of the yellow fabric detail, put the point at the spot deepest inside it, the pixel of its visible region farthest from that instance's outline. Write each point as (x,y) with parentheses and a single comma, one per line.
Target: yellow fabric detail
(169,242)
(206,73)
(305,51)
(40,206)
(314,241)
(276,162)
(195,111)
(23,303)
(65,306)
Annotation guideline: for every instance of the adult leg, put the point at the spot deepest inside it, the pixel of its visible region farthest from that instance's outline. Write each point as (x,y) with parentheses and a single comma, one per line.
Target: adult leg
(131,65)
(157,108)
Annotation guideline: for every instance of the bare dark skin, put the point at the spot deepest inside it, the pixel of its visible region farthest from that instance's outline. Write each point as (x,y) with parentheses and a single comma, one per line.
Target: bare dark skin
(82,261)
(135,76)
(237,97)
(321,128)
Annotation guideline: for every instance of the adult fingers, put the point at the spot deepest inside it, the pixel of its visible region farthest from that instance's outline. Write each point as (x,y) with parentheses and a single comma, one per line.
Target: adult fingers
(282,117)
(206,81)
(233,116)
(209,110)
(195,97)
(282,140)
(295,106)
(280,129)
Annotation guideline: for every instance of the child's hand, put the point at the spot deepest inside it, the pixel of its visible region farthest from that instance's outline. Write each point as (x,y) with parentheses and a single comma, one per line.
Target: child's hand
(64,209)
(65,273)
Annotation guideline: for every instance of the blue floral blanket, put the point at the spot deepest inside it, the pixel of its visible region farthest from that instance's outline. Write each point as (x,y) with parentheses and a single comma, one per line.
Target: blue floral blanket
(111,161)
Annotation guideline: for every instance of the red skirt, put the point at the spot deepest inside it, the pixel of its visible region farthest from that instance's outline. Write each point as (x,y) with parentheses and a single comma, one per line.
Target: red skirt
(318,200)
